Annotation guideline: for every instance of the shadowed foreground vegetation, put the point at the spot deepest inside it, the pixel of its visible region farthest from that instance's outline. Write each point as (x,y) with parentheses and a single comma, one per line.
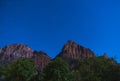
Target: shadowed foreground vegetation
(88,69)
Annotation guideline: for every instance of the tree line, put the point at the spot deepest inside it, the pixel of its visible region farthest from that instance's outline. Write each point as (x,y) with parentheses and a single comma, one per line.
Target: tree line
(87,69)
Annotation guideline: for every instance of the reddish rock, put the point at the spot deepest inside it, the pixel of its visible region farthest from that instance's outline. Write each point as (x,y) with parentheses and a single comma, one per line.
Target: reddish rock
(15,51)
(72,50)
(41,60)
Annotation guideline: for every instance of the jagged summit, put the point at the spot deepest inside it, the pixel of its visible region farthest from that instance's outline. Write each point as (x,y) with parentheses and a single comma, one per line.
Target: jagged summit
(14,51)
(72,50)
(11,53)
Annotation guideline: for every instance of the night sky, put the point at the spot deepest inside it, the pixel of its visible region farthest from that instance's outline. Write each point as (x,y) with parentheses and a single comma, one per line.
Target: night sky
(48,24)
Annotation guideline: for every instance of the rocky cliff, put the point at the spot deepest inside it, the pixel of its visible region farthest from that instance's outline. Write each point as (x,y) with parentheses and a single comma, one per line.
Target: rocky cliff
(13,52)
(41,59)
(72,50)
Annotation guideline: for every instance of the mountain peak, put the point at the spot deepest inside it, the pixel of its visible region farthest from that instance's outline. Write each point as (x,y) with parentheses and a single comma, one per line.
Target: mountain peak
(11,52)
(70,42)
(72,50)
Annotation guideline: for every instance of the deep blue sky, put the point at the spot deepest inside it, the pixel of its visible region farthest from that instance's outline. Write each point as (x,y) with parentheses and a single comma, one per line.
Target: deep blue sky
(47,24)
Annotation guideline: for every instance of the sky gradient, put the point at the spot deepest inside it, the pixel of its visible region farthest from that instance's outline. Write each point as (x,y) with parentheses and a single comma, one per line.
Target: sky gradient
(47,24)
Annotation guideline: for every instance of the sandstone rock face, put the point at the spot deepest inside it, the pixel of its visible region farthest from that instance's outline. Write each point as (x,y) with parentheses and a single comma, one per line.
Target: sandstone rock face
(15,51)
(72,50)
(41,60)
(11,53)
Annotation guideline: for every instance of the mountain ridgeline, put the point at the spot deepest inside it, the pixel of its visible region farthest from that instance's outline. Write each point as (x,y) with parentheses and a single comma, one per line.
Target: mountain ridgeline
(70,51)
(18,62)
